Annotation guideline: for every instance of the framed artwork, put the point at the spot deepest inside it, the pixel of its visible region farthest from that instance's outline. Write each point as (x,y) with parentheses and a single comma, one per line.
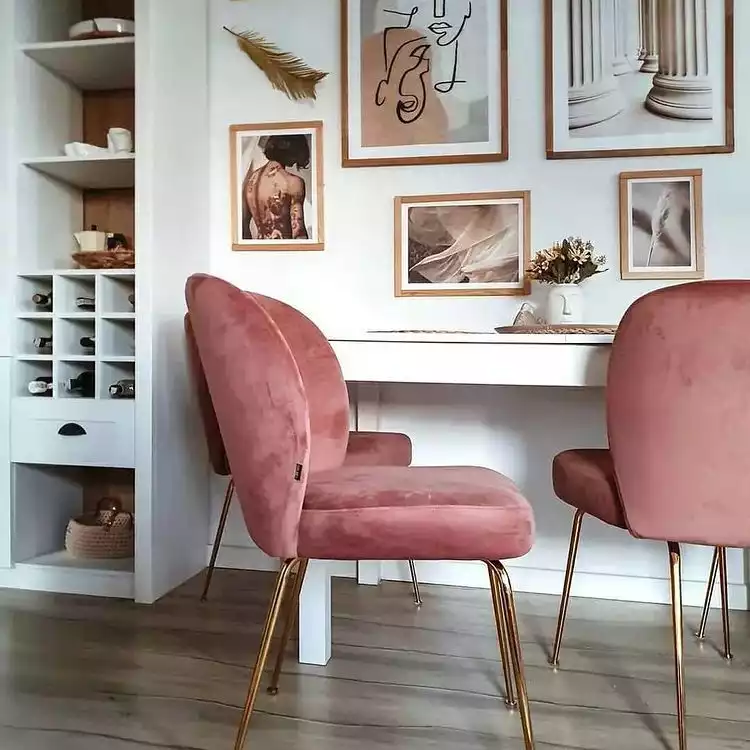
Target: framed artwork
(661,224)
(639,77)
(424,81)
(465,245)
(277,186)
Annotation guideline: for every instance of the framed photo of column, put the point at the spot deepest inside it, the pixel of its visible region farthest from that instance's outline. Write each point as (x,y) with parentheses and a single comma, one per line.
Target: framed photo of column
(661,224)
(465,245)
(639,77)
(424,81)
(276,186)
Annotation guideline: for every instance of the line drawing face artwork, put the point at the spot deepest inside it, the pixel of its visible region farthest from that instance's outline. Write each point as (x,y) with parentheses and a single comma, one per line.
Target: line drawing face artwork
(424,80)
(461,245)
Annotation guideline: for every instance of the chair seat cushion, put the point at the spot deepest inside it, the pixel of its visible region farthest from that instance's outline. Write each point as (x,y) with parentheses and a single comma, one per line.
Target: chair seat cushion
(421,513)
(378,449)
(585,479)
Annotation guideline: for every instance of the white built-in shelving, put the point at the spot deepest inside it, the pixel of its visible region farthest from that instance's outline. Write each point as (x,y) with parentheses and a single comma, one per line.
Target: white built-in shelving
(63,91)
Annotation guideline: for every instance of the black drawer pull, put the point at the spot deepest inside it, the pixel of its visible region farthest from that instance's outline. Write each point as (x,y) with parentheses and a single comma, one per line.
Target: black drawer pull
(71,429)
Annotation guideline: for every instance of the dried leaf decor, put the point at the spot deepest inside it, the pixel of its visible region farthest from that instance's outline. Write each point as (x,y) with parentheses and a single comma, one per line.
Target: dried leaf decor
(286,72)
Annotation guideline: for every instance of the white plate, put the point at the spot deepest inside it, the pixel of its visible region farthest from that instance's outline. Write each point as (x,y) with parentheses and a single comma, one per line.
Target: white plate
(102,27)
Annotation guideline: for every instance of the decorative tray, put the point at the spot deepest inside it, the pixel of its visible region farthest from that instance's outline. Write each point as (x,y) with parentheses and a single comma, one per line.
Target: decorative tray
(559,328)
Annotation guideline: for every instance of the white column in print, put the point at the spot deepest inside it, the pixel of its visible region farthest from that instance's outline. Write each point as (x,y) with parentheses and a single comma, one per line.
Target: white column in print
(593,95)
(620,33)
(650,16)
(682,87)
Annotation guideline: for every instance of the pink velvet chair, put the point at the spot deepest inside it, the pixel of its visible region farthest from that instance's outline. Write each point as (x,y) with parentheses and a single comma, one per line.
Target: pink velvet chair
(363,448)
(301,502)
(678,419)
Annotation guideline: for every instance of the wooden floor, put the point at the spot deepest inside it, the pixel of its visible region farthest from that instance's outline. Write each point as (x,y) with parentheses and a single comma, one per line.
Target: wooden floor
(88,674)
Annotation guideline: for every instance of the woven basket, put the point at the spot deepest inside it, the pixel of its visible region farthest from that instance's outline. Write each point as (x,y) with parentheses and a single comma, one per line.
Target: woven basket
(106,259)
(106,534)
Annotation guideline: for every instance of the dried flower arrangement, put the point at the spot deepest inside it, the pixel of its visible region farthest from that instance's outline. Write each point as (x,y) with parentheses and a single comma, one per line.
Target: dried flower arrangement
(568,262)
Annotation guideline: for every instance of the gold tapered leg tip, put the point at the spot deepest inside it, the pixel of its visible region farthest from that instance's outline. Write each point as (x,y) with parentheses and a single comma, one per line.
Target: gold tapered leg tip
(272,691)
(511,704)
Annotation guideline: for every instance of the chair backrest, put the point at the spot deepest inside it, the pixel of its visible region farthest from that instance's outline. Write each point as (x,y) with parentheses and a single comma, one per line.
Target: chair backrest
(678,413)
(327,396)
(260,404)
(216,453)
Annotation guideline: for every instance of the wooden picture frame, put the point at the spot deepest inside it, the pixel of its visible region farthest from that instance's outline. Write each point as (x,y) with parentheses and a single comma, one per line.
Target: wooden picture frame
(609,99)
(462,245)
(461,118)
(661,224)
(293,181)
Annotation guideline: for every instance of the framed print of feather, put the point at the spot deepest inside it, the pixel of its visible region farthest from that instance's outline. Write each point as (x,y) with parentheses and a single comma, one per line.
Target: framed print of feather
(661,224)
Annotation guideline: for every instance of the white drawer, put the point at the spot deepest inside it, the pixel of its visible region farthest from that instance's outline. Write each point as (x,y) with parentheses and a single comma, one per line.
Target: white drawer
(72,432)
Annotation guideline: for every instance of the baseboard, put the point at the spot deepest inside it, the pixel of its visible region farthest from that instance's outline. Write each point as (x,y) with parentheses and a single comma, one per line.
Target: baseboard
(524,579)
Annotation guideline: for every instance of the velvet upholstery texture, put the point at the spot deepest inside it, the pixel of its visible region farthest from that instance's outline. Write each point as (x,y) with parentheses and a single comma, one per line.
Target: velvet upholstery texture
(585,479)
(378,449)
(327,396)
(350,513)
(363,448)
(261,408)
(421,513)
(217,456)
(678,414)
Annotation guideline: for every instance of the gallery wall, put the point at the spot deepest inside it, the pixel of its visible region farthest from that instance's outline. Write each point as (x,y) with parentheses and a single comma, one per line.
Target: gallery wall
(349,286)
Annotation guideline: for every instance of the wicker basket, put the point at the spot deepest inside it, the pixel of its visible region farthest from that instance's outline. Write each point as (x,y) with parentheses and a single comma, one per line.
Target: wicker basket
(106,259)
(106,534)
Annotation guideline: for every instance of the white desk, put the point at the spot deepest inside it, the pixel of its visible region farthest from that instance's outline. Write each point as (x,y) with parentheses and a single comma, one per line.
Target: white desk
(552,360)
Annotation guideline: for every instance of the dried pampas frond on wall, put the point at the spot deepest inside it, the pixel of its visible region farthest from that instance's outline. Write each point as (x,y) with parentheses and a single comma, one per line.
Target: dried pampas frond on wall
(285,71)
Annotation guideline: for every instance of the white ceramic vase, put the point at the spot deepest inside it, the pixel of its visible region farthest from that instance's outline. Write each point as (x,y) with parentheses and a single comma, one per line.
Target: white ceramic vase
(565,304)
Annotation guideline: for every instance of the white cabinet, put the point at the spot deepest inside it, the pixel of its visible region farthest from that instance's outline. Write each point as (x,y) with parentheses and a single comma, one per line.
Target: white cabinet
(91,328)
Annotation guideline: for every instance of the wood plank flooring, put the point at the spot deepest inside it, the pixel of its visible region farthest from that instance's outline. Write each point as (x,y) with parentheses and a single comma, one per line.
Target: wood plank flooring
(81,673)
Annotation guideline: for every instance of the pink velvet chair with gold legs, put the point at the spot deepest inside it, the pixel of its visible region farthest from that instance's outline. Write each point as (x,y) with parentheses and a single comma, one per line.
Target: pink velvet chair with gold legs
(363,449)
(301,502)
(678,420)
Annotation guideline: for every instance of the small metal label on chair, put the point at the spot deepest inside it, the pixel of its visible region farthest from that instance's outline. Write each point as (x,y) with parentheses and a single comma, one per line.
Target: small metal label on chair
(297,472)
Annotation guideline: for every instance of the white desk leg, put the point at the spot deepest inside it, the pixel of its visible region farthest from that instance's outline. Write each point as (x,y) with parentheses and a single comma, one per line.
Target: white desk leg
(315,615)
(367,419)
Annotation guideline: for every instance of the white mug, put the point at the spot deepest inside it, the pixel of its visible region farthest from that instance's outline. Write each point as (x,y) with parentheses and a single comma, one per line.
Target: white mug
(119,141)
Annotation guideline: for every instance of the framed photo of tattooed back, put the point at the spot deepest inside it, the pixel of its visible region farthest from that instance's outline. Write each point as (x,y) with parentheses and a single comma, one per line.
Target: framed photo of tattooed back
(276,189)
(424,82)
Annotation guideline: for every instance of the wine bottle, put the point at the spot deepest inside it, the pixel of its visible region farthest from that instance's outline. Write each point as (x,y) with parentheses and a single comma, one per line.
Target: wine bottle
(42,342)
(87,304)
(122,389)
(41,299)
(131,299)
(83,384)
(41,386)
(88,342)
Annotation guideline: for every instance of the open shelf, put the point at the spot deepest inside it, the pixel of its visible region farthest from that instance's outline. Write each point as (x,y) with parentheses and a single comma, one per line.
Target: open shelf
(93,173)
(63,559)
(90,65)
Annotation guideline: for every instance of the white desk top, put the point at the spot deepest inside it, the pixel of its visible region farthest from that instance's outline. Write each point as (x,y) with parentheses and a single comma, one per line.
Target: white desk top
(478,337)
(543,359)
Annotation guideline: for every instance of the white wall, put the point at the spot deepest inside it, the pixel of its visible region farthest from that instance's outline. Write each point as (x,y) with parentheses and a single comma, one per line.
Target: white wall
(349,285)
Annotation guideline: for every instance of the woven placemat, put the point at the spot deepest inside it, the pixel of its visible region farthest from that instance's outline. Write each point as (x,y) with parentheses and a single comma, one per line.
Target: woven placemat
(559,328)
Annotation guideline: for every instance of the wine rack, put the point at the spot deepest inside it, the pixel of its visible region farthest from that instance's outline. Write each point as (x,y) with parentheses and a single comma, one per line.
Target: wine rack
(71,319)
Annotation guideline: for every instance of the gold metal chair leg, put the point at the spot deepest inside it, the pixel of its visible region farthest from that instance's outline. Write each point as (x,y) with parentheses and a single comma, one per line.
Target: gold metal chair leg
(282,581)
(290,617)
(701,632)
(218,538)
(724,601)
(415,583)
(575,536)
(511,621)
(675,577)
(502,638)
